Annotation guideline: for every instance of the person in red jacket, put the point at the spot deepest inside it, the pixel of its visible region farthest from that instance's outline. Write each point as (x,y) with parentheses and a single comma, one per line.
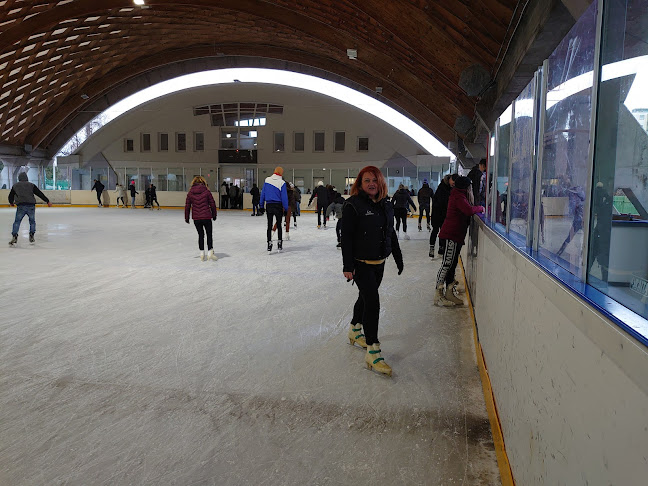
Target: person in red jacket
(202,206)
(454,231)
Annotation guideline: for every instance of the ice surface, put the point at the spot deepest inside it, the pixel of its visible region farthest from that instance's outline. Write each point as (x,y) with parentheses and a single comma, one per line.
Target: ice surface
(126,360)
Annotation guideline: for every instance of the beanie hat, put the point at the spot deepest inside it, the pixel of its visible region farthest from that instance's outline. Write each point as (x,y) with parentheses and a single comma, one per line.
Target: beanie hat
(278,170)
(425,181)
(462,182)
(22,177)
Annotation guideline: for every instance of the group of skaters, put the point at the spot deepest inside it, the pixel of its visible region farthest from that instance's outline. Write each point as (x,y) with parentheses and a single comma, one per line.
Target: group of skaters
(120,192)
(366,231)
(231,196)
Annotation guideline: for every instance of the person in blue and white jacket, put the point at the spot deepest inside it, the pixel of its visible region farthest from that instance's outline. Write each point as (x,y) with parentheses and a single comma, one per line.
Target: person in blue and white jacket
(275,196)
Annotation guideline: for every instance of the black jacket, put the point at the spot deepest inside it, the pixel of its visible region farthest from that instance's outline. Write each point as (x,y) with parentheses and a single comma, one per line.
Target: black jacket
(153,192)
(475,176)
(322,197)
(98,186)
(425,195)
(132,190)
(402,199)
(368,231)
(440,203)
(256,195)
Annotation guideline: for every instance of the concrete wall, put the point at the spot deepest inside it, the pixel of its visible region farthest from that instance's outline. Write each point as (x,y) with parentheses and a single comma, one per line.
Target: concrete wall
(571,388)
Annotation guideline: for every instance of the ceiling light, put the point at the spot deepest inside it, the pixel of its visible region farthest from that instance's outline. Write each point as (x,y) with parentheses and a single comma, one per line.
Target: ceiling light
(352,53)
(378,89)
(84,96)
(138,2)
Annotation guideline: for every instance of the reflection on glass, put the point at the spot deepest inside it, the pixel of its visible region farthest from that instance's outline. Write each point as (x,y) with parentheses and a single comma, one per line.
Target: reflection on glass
(501,177)
(618,246)
(176,180)
(522,152)
(566,144)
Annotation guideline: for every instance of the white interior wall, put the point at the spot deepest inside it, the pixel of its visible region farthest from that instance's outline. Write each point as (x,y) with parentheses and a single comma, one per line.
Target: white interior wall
(303,111)
(571,388)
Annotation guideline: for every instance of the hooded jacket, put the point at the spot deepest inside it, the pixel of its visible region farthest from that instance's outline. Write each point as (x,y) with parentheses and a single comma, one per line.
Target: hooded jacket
(200,202)
(274,191)
(425,195)
(440,202)
(22,193)
(98,186)
(256,195)
(368,231)
(337,206)
(458,216)
(402,199)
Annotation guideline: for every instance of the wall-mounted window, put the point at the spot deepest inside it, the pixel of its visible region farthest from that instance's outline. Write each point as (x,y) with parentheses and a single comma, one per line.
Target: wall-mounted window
(363,144)
(278,142)
(298,142)
(145,143)
(340,140)
(181,142)
(247,114)
(163,142)
(129,145)
(229,138)
(199,141)
(318,141)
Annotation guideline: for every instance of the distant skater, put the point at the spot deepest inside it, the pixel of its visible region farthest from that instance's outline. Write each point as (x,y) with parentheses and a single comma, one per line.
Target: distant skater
(22,195)
(321,194)
(133,193)
(402,201)
(256,196)
(336,207)
(424,197)
(153,196)
(99,187)
(200,203)
(121,194)
(274,195)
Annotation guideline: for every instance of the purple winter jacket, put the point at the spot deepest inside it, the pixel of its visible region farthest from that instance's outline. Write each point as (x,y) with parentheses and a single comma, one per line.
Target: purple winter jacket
(200,202)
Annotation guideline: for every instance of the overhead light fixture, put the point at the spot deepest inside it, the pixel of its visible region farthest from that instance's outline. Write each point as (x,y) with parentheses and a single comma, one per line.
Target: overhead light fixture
(237,80)
(138,2)
(84,96)
(352,53)
(378,89)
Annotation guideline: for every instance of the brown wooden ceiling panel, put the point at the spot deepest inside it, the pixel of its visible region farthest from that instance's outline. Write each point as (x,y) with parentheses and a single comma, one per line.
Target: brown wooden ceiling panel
(53,52)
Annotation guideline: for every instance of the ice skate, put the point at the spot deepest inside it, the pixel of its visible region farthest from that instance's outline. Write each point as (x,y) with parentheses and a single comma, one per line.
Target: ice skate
(439,297)
(32,240)
(356,336)
(339,245)
(295,224)
(211,255)
(319,226)
(202,255)
(269,246)
(279,246)
(407,237)
(451,297)
(14,240)
(429,228)
(375,362)
(287,236)
(431,254)
(420,229)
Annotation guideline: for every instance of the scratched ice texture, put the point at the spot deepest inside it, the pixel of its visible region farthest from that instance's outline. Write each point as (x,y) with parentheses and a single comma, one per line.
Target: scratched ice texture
(124,359)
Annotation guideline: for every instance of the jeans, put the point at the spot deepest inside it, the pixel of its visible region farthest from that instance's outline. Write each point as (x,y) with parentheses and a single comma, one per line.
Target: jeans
(23,210)
(133,201)
(298,212)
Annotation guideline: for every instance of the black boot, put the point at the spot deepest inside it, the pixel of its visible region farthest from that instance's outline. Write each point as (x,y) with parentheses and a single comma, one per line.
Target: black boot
(269,245)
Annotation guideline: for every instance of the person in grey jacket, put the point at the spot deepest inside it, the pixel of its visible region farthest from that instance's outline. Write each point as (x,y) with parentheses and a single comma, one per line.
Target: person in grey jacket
(337,205)
(22,195)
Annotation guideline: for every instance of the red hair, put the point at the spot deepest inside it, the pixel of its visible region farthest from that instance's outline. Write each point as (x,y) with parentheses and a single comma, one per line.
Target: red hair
(382,184)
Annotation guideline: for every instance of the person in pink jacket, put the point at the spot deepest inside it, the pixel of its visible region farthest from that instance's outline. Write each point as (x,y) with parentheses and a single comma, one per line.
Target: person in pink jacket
(454,230)
(200,203)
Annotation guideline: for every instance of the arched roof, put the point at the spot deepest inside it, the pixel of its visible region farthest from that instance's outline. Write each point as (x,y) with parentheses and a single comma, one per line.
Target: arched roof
(59,58)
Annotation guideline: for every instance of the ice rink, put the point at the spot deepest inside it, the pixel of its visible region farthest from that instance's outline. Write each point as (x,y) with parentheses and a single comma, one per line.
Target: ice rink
(126,360)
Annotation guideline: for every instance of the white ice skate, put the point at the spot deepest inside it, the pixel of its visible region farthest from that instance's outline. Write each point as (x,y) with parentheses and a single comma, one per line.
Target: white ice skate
(211,256)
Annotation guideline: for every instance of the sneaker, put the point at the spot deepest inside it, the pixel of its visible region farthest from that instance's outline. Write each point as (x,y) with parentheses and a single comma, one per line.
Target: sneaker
(279,246)
(14,240)
(31,238)
(269,246)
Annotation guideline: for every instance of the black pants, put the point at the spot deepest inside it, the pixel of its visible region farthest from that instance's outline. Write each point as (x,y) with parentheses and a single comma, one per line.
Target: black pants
(426,210)
(204,226)
(338,229)
(367,308)
(224,200)
(99,197)
(255,208)
(401,215)
(123,202)
(154,200)
(274,210)
(433,237)
(321,214)
(449,266)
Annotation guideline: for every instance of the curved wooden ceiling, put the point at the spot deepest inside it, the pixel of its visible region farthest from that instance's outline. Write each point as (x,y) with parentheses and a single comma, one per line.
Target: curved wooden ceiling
(58,57)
